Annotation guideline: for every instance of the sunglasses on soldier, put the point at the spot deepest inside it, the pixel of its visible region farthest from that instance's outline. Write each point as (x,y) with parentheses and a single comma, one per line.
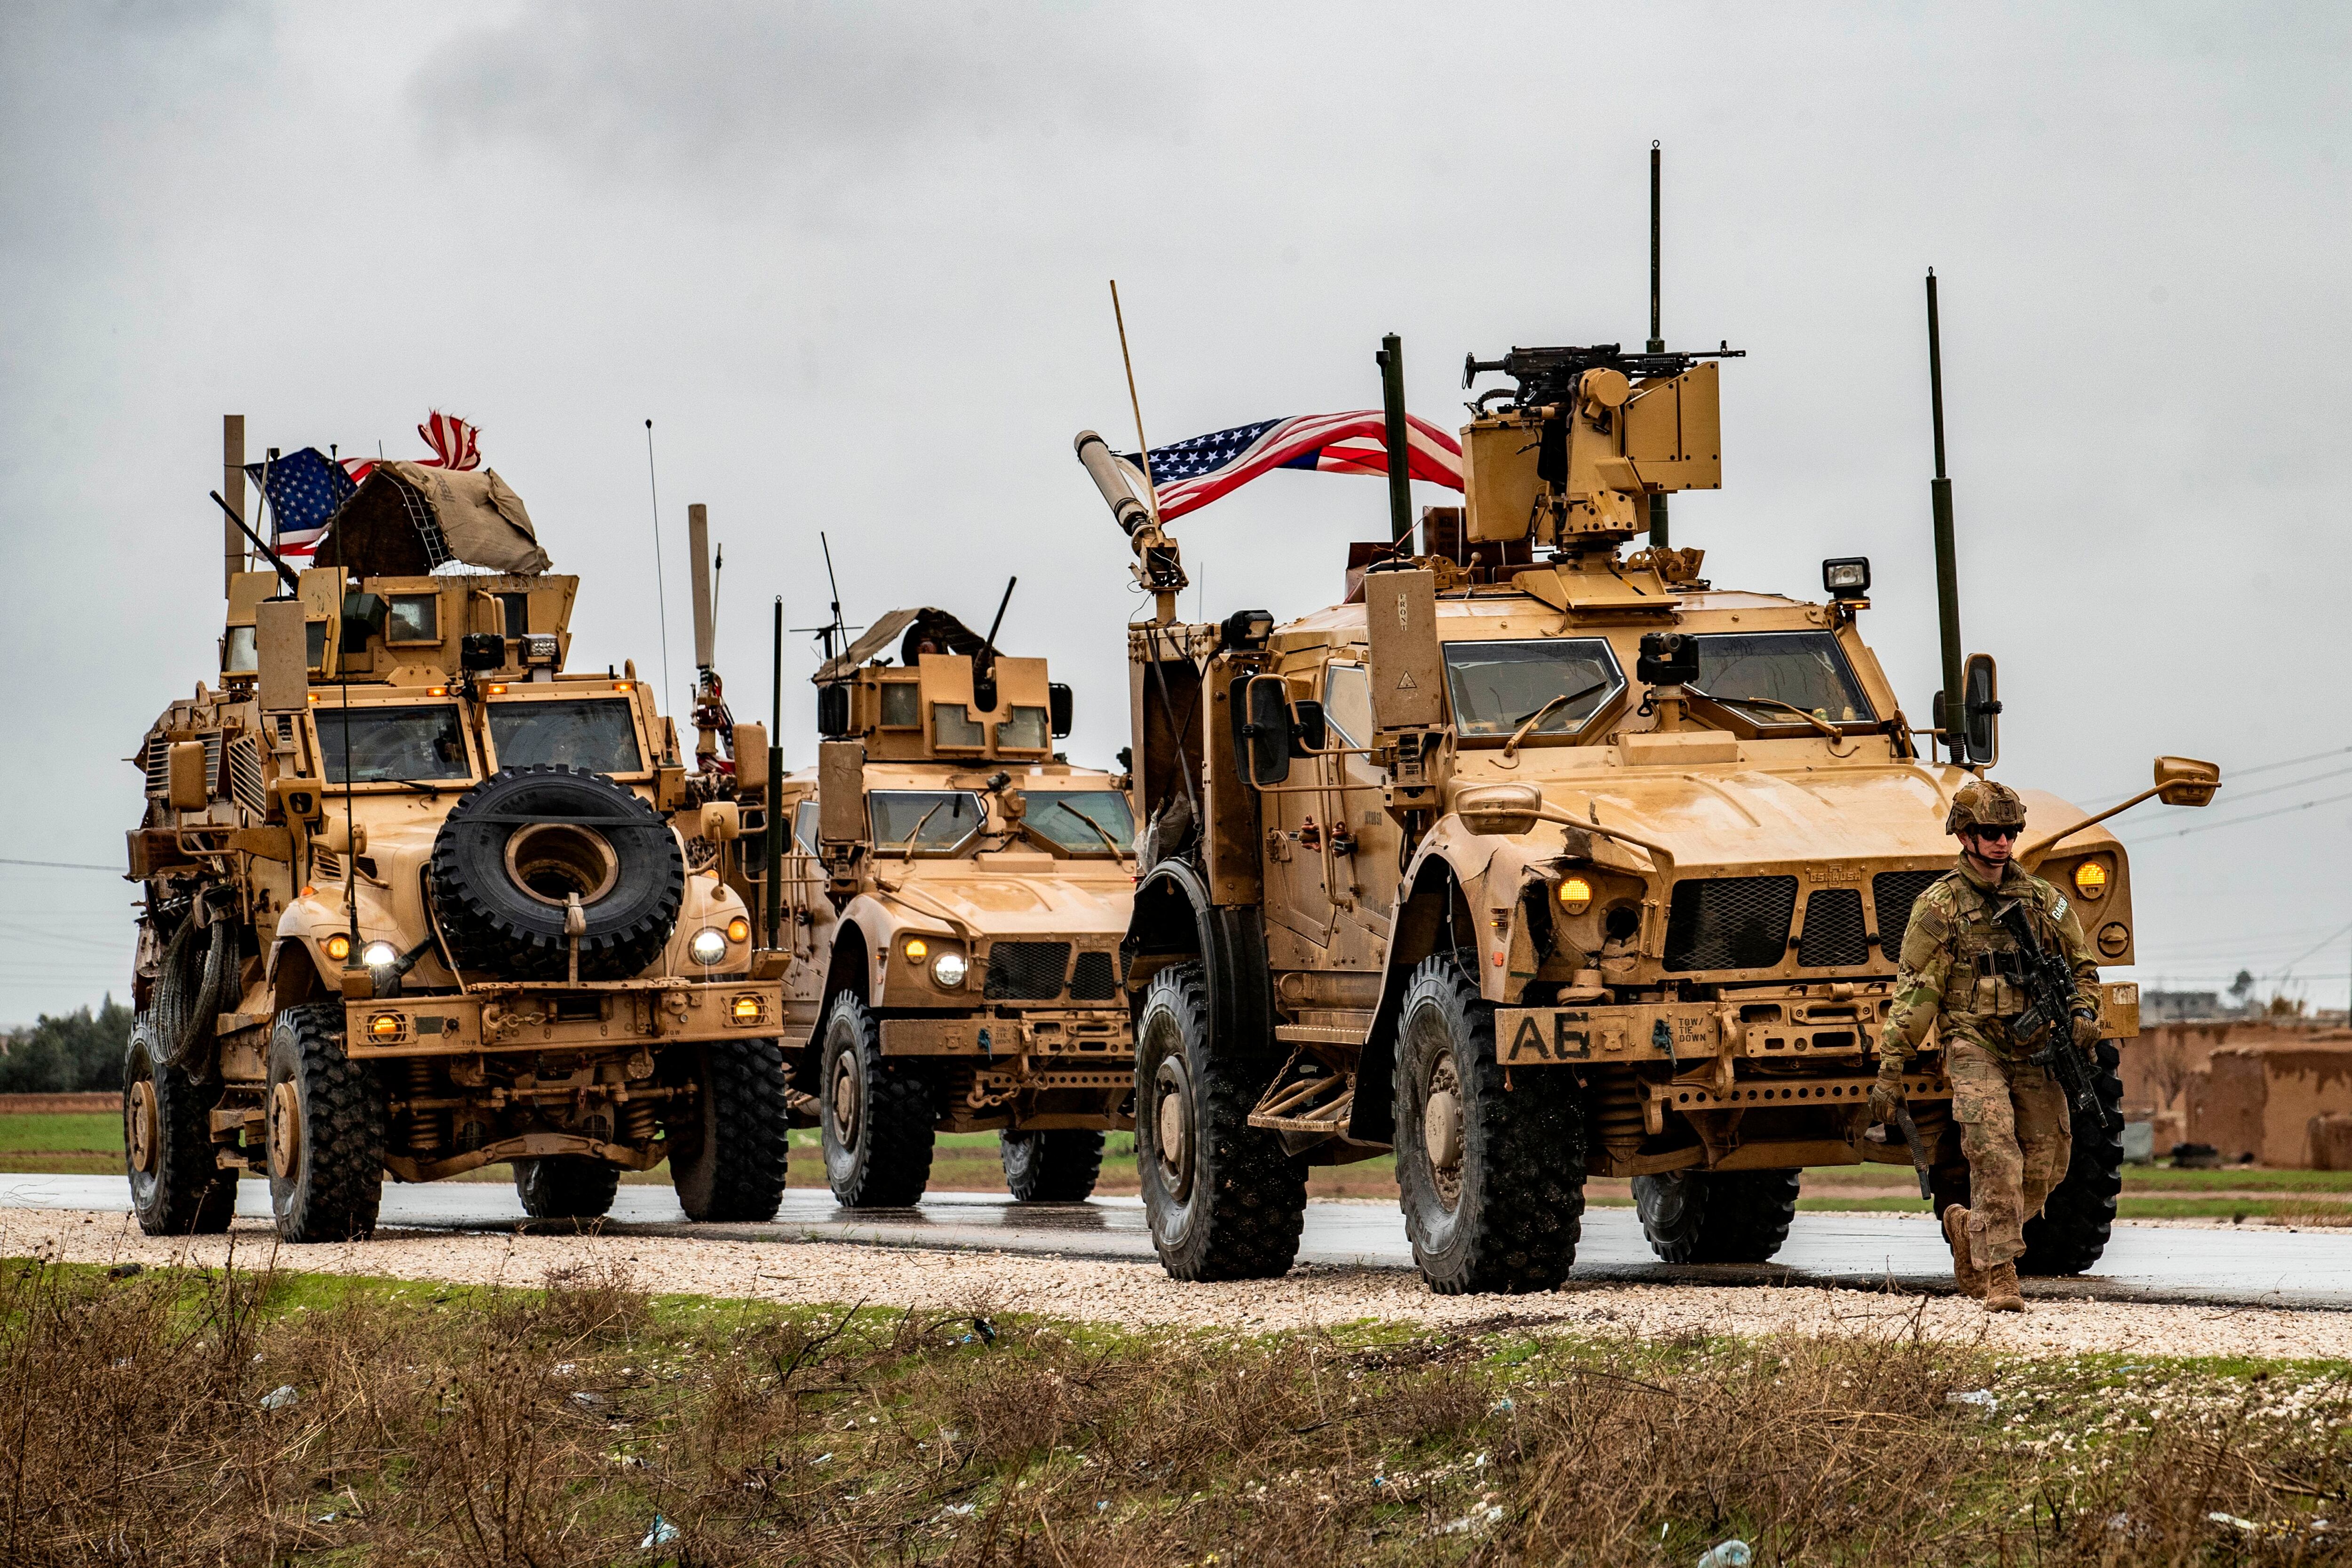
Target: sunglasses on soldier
(2002,831)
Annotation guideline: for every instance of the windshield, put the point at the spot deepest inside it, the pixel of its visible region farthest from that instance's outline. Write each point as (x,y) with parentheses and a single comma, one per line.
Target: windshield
(388,744)
(1499,685)
(1057,813)
(595,735)
(1804,670)
(932,820)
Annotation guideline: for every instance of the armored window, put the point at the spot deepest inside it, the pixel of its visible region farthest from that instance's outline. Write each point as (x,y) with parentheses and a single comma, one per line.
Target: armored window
(804,827)
(1499,685)
(1348,703)
(951,725)
(902,705)
(383,745)
(1084,822)
(236,653)
(924,821)
(595,735)
(1026,730)
(518,607)
(412,618)
(314,646)
(1806,670)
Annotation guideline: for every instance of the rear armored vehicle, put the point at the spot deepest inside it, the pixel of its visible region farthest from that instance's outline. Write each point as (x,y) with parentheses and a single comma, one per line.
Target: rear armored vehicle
(421,897)
(960,890)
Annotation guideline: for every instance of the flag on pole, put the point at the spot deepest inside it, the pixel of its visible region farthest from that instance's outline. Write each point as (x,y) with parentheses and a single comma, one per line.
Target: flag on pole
(304,489)
(1189,475)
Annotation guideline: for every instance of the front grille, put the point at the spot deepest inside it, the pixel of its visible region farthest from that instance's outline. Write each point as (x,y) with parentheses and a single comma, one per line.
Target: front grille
(1026,970)
(1833,937)
(1096,979)
(1895,892)
(1731,923)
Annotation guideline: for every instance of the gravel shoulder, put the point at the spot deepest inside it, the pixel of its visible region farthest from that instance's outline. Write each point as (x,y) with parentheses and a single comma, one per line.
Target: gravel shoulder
(1138,1295)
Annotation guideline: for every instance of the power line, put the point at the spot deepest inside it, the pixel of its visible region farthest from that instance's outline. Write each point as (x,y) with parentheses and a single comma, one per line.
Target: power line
(2242,772)
(2234,821)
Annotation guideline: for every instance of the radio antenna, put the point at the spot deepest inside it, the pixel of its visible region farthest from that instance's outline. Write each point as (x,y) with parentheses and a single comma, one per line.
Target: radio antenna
(661,595)
(1142,446)
(836,628)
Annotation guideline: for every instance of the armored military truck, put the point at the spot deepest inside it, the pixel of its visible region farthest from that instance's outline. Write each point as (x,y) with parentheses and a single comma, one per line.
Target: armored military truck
(960,890)
(1535,860)
(420,897)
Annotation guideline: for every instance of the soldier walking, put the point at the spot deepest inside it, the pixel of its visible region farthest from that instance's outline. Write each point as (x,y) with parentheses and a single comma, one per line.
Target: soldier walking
(1961,973)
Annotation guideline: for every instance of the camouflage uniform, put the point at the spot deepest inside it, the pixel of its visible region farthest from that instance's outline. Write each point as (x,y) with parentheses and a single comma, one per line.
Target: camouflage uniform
(1960,974)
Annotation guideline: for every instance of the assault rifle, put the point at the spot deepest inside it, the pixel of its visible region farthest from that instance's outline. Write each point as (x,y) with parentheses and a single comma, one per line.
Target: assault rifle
(2048,1018)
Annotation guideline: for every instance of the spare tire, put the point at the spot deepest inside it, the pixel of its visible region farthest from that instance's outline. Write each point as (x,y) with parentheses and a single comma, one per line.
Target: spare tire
(519,843)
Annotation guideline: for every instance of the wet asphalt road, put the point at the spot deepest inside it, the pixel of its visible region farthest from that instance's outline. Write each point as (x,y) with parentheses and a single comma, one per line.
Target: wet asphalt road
(2256,1265)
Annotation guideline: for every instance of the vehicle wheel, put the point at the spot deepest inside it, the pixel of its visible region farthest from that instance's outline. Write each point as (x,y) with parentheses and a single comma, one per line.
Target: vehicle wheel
(726,1156)
(877,1118)
(566,1186)
(1491,1179)
(177,1187)
(326,1116)
(2071,1232)
(1224,1202)
(1054,1167)
(519,845)
(1725,1216)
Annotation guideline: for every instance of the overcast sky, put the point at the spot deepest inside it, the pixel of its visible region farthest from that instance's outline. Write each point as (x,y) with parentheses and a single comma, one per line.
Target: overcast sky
(850,261)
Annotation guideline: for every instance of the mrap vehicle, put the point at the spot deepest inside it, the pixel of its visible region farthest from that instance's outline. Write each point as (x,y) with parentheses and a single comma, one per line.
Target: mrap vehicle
(1536,860)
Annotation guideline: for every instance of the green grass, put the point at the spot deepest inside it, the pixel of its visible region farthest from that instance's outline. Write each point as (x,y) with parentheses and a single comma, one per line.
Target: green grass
(431,1423)
(48,1132)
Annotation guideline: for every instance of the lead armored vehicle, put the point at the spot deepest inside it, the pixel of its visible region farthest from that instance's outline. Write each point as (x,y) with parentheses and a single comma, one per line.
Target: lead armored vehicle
(960,890)
(1536,860)
(421,897)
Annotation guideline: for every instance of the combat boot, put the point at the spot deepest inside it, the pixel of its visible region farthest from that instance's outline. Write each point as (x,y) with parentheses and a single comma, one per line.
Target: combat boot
(1965,1272)
(2000,1292)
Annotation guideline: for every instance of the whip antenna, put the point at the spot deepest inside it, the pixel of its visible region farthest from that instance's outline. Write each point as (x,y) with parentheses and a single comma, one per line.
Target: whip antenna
(661,596)
(1150,487)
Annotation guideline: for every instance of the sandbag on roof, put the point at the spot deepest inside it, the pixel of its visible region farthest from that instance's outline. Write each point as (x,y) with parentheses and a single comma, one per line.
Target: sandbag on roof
(408,519)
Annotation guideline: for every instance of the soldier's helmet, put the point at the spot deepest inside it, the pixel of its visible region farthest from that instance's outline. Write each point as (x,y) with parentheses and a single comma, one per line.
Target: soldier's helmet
(1984,804)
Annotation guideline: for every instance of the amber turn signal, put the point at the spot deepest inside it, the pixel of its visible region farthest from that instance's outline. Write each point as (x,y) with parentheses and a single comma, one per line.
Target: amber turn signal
(1575,895)
(2091,881)
(918,950)
(338,947)
(746,1009)
(739,929)
(386,1026)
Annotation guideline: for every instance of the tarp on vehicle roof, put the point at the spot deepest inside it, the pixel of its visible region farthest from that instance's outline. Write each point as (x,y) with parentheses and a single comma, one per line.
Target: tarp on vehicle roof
(910,629)
(408,519)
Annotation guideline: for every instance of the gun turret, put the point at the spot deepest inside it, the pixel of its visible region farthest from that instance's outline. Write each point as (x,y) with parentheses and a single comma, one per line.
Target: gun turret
(1552,375)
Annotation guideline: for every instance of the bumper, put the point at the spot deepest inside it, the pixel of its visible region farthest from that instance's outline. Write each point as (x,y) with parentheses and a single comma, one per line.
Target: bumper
(533,1018)
(1100,1031)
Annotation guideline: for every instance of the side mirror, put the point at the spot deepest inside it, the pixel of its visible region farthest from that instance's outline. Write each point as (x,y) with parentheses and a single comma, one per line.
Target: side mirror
(281,656)
(840,792)
(343,838)
(188,788)
(2185,781)
(721,820)
(1407,669)
(1980,715)
(833,710)
(1309,731)
(1057,699)
(1264,733)
(1507,810)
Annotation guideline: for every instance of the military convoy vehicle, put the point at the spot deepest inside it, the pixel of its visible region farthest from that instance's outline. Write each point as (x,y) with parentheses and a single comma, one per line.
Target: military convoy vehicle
(958,892)
(1534,860)
(420,897)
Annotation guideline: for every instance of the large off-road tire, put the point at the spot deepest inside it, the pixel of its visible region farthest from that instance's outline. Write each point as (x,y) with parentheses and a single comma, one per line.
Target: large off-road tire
(1491,1179)
(177,1187)
(566,1186)
(1723,1217)
(326,1116)
(877,1118)
(1224,1200)
(517,844)
(2071,1232)
(1059,1167)
(727,1154)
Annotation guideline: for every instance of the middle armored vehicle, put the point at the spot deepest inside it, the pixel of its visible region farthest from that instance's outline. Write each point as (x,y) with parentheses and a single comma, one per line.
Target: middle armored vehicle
(960,890)
(1535,860)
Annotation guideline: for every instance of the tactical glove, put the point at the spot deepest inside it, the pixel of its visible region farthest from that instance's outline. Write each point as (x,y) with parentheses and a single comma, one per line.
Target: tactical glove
(2086,1032)
(1887,1092)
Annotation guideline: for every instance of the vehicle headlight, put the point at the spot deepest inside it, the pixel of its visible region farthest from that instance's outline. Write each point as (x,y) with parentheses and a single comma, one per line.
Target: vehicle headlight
(1575,895)
(709,946)
(948,969)
(379,955)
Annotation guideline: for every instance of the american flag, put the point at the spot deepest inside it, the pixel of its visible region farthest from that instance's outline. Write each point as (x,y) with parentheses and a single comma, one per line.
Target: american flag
(1189,475)
(305,489)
